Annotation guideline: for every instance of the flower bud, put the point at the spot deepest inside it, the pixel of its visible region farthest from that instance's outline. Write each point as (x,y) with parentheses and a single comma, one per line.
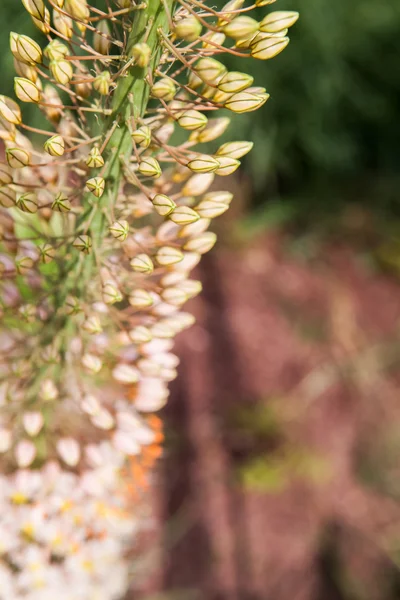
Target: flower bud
(227,166)
(234,149)
(188,28)
(25,49)
(268,47)
(56,50)
(221,97)
(174,296)
(141,52)
(125,374)
(142,136)
(33,422)
(192,120)
(94,159)
(61,70)
(27,202)
(92,363)
(17,158)
(52,100)
(69,451)
(63,23)
(209,209)
(213,129)
(5,440)
(163,330)
(142,264)
(164,89)
(72,306)
(35,8)
(183,215)
(245,102)
(61,203)
(203,164)
(83,243)
(92,325)
(10,111)
(140,298)
(213,38)
(234,82)
(241,27)
(27,312)
(120,230)
(111,294)
(25,453)
(26,90)
(43,25)
(224,197)
(264,2)
(278,20)
(198,184)
(168,255)
(150,167)
(194,229)
(24,70)
(96,185)
(55,145)
(47,253)
(231,7)
(191,287)
(202,243)
(8,197)
(140,335)
(5,175)
(163,204)
(101,38)
(102,83)
(210,70)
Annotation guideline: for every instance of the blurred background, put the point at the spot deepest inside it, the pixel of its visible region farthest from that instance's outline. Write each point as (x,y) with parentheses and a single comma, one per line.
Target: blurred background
(281,475)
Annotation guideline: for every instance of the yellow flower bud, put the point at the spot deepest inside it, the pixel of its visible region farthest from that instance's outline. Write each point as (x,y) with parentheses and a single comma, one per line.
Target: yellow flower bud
(101,41)
(61,203)
(43,25)
(53,108)
(228,165)
(55,145)
(210,70)
(278,20)
(192,120)
(18,158)
(212,38)
(202,243)
(92,363)
(8,197)
(225,197)
(221,97)
(96,185)
(140,298)
(191,287)
(10,111)
(141,52)
(203,164)
(24,265)
(245,102)
(25,49)
(5,175)
(231,7)
(72,306)
(210,209)
(56,50)
(140,335)
(198,184)
(142,264)
(241,27)
(163,330)
(194,229)
(189,28)
(164,89)
(168,255)
(24,70)
(142,136)
(234,149)
(28,202)
(92,325)
(79,11)
(47,253)
(83,243)
(163,204)
(183,215)
(264,2)
(63,23)
(268,47)
(94,159)
(234,82)
(26,90)
(111,294)
(213,129)
(174,296)
(150,167)
(35,8)
(61,70)
(102,83)
(120,230)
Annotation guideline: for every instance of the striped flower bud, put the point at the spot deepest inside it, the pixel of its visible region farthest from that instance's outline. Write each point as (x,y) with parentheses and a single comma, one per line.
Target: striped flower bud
(92,363)
(188,28)
(43,25)
(141,52)
(24,265)
(52,100)
(119,230)
(62,70)
(183,215)
(25,49)
(221,97)
(213,129)
(25,453)
(24,70)
(83,243)
(202,243)
(192,120)
(79,11)
(163,204)
(227,166)
(140,335)
(27,202)
(174,296)
(102,83)
(198,184)
(8,197)
(35,8)
(140,298)
(28,312)
(264,2)
(10,111)
(241,27)
(234,82)
(142,136)
(111,294)
(194,229)
(18,158)
(33,422)
(163,330)
(245,102)
(96,185)
(69,450)
(101,38)
(55,145)
(278,20)
(47,253)
(92,325)
(210,70)
(203,164)
(164,89)
(150,167)
(63,23)
(94,159)
(231,7)
(209,209)
(268,47)
(234,149)
(142,264)
(126,374)
(26,90)
(168,255)
(72,306)
(61,203)
(224,197)
(5,175)
(212,39)
(191,287)
(56,50)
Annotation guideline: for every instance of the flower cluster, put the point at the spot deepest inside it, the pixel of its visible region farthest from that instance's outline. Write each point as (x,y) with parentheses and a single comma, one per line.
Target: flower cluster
(100,227)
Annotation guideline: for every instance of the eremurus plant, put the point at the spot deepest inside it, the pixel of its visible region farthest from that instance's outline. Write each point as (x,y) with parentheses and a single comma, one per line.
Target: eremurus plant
(101,226)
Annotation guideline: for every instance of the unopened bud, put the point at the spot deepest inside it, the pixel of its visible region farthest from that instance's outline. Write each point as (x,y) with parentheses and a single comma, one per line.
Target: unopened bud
(96,185)
(120,230)
(92,325)
(278,20)
(43,25)
(101,38)
(25,49)
(231,7)
(241,27)
(69,450)
(142,264)
(10,111)
(24,70)
(210,209)
(35,8)
(61,203)
(202,243)
(72,305)
(150,167)
(188,29)
(210,70)
(83,243)
(27,202)
(5,175)
(234,149)
(24,265)
(25,453)
(174,296)
(125,374)
(267,48)
(94,159)
(227,166)
(163,204)
(142,136)
(61,70)
(224,197)
(164,89)
(198,184)
(192,120)
(140,335)
(92,363)
(141,52)
(111,294)
(8,197)
(26,90)
(52,100)
(213,39)
(63,23)
(28,312)
(246,102)
(79,11)
(18,158)
(168,255)
(56,50)
(102,83)
(33,422)
(194,229)
(183,215)
(203,164)
(214,128)
(55,146)
(47,253)
(140,298)
(234,82)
